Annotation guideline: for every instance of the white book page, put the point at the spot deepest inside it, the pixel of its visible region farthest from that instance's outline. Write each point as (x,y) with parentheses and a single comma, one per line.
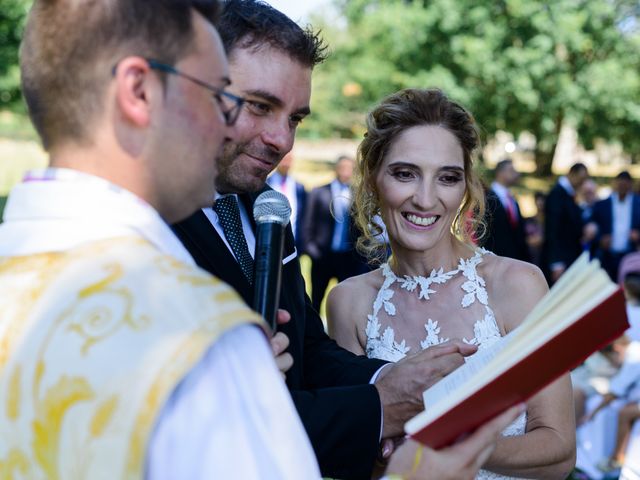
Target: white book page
(473,366)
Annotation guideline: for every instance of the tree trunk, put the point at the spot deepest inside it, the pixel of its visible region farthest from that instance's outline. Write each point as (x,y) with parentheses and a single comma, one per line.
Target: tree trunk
(544,160)
(545,150)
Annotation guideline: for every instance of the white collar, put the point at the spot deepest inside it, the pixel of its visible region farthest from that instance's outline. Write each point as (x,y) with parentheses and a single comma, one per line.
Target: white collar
(76,208)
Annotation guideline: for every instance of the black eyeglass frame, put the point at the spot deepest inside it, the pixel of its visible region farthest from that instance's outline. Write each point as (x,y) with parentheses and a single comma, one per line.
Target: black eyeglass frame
(230,114)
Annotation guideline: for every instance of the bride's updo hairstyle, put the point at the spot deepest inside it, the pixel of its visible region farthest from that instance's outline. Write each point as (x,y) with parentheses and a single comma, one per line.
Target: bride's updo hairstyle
(393,116)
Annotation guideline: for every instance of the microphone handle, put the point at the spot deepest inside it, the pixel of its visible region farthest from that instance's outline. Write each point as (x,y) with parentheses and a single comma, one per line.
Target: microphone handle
(268,270)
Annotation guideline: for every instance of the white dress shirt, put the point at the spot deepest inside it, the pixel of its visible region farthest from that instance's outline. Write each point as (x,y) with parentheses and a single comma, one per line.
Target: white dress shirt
(288,187)
(340,203)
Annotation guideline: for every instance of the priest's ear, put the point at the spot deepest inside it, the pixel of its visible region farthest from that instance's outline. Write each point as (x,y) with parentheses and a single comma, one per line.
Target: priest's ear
(137,87)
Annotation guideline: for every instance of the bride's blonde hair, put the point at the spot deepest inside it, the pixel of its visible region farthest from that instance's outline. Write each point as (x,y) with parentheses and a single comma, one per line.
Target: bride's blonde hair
(394,115)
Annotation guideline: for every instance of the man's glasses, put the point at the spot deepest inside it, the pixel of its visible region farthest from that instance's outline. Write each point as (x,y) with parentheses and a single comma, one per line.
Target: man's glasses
(224,98)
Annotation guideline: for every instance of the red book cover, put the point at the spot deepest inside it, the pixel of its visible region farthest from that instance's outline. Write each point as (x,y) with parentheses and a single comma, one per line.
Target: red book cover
(563,352)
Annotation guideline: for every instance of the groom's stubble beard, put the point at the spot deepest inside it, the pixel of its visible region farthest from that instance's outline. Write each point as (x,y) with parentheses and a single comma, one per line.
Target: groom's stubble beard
(236,175)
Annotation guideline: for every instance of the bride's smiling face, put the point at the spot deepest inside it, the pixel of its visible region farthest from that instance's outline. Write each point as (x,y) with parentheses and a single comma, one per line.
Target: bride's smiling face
(420,186)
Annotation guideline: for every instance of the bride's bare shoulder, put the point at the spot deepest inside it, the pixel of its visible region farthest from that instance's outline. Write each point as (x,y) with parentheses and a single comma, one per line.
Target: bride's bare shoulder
(514,287)
(348,305)
(508,272)
(360,286)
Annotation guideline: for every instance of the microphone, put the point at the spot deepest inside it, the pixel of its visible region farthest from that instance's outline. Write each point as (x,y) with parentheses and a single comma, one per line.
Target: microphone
(271,212)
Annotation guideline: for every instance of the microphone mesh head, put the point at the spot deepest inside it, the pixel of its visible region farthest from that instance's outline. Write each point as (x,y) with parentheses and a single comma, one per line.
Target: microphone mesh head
(272,206)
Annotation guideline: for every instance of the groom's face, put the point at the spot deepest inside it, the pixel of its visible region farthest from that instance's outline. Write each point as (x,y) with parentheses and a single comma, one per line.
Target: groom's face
(277,90)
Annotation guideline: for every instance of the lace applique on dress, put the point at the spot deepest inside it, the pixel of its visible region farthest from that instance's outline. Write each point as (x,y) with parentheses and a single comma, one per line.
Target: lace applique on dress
(386,347)
(473,291)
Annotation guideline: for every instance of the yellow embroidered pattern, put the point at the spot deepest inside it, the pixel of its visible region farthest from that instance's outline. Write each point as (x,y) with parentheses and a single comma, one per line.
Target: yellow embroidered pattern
(92,343)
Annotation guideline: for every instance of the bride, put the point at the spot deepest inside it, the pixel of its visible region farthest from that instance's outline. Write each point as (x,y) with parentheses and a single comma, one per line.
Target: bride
(415,172)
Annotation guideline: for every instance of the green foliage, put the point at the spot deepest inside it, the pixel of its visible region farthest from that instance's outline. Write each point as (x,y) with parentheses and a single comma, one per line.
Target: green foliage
(12,16)
(518,65)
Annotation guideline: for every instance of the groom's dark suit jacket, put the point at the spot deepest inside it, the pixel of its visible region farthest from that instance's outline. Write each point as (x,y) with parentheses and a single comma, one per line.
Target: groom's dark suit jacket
(330,386)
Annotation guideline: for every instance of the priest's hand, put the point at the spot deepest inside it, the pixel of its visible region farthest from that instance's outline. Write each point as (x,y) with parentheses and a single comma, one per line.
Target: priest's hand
(279,343)
(400,385)
(413,461)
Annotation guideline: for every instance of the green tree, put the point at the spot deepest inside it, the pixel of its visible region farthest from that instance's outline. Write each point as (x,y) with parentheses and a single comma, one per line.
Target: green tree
(12,16)
(518,65)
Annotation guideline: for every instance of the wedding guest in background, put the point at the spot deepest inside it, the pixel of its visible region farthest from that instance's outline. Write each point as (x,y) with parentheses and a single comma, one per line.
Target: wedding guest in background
(593,376)
(284,183)
(627,382)
(617,219)
(415,169)
(505,234)
(629,264)
(610,400)
(631,286)
(563,223)
(329,232)
(587,196)
(534,229)
(624,385)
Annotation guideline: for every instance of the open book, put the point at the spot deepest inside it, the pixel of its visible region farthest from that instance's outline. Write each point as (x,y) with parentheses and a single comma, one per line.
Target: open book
(583,312)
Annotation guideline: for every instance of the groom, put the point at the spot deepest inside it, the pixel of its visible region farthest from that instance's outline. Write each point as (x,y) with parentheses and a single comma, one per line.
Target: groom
(347,403)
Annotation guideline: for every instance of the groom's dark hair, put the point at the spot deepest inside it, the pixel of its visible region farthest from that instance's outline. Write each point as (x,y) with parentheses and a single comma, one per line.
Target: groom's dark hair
(255,24)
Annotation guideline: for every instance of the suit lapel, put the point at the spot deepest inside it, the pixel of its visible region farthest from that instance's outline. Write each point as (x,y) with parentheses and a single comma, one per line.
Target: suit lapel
(211,253)
(635,211)
(608,227)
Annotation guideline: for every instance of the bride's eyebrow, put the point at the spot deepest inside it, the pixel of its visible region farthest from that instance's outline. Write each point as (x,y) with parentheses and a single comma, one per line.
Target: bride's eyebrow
(400,163)
(452,168)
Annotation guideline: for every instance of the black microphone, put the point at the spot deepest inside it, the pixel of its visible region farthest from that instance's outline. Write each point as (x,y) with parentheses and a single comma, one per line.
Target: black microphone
(271,212)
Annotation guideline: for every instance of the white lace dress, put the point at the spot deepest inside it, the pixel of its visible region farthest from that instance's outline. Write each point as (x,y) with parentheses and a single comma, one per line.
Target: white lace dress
(416,312)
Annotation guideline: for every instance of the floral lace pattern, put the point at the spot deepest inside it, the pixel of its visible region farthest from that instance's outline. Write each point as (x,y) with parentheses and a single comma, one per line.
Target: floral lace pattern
(485,330)
(386,347)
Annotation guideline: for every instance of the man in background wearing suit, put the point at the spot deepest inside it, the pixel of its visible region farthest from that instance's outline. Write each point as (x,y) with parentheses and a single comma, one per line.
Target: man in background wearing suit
(284,183)
(329,232)
(563,223)
(618,221)
(505,226)
(347,403)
